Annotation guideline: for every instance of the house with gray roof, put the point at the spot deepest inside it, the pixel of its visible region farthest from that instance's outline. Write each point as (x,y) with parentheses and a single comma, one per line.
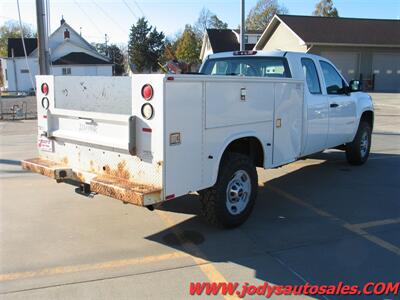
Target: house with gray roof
(366,49)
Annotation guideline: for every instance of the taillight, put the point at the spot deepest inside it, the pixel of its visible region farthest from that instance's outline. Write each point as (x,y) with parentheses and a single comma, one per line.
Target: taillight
(147,111)
(44,88)
(147,92)
(45,103)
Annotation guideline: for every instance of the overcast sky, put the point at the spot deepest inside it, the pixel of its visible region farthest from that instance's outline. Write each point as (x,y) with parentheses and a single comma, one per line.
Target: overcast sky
(114,18)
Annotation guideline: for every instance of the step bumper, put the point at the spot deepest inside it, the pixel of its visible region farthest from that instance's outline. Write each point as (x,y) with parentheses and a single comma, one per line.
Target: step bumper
(114,187)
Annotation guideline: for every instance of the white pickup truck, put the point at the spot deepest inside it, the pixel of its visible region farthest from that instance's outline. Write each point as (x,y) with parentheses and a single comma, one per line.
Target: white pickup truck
(146,139)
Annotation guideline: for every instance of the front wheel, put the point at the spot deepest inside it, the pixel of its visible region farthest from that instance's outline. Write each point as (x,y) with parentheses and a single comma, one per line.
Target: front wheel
(230,201)
(357,151)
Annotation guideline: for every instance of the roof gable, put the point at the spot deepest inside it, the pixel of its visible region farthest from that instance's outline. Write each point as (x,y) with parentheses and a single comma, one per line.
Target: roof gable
(57,38)
(69,45)
(332,30)
(223,40)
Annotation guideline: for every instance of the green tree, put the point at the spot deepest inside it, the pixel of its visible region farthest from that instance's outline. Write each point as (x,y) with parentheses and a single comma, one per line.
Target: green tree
(115,54)
(169,51)
(260,15)
(145,47)
(325,8)
(11,29)
(188,46)
(117,58)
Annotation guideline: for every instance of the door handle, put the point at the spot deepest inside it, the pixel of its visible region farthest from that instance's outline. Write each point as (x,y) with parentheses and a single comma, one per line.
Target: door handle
(334,105)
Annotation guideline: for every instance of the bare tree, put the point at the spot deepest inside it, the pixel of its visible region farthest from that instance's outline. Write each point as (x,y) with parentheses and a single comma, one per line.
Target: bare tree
(325,8)
(260,15)
(208,19)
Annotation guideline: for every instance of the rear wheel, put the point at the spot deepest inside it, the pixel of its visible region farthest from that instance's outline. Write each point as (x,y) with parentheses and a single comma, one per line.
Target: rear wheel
(230,201)
(357,151)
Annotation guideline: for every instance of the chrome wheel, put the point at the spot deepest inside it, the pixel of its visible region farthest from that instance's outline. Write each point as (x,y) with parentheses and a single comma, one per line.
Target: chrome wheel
(364,143)
(238,192)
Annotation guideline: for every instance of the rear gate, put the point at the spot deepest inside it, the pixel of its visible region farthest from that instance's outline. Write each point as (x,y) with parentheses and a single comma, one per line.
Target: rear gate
(87,133)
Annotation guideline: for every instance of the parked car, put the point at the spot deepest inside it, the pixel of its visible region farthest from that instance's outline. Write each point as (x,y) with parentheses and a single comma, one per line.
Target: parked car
(153,138)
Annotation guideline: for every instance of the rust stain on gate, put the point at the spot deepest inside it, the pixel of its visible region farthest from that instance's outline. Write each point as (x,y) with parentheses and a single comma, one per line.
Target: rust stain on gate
(122,189)
(120,171)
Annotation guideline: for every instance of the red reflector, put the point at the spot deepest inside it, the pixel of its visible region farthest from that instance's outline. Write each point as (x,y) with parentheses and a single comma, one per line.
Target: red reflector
(169,197)
(147,92)
(170,78)
(44,88)
(147,129)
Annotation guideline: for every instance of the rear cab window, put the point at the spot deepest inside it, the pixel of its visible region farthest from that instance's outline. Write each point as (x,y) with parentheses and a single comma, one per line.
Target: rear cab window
(248,66)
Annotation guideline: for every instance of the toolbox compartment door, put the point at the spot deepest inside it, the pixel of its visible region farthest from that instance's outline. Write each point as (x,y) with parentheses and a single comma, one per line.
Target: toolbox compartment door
(288,122)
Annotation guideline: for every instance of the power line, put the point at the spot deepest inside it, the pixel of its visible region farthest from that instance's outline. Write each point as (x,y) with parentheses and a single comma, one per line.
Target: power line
(130,9)
(138,6)
(88,17)
(111,19)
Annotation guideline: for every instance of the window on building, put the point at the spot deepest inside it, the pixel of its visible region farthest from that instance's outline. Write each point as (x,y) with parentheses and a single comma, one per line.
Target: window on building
(66,71)
(24,71)
(333,81)
(310,71)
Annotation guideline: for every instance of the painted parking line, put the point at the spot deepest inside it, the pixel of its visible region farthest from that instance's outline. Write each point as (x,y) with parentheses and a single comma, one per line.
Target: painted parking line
(92,267)
(209,270)
(377,223)
(372,238)
(355,228)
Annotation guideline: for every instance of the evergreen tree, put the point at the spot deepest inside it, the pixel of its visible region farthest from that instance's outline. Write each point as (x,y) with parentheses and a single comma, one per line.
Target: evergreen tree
(114,53)
(188,46)
(145,47)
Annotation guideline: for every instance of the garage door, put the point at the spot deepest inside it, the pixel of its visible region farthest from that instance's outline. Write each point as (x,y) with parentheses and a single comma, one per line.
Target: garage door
(386,67)
(346,62)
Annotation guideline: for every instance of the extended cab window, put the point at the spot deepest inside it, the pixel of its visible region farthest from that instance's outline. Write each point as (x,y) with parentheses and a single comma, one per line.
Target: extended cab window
(333,81)
(247,66)
(310,72)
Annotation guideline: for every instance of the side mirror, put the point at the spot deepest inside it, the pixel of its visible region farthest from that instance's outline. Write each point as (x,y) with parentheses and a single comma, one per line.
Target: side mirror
(355,86)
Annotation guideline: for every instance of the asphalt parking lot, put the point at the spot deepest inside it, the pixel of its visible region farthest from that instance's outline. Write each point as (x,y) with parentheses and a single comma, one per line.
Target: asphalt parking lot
(318,220)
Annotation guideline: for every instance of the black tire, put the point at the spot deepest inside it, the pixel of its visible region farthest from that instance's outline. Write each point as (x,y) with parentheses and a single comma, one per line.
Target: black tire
(357,152)
(215,200)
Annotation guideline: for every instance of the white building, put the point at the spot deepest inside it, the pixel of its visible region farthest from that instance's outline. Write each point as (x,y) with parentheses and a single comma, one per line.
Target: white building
(70,54)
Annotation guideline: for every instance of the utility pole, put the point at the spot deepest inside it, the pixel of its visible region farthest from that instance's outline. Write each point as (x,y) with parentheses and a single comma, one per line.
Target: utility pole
(44,57)
(106,41)
(242,26)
